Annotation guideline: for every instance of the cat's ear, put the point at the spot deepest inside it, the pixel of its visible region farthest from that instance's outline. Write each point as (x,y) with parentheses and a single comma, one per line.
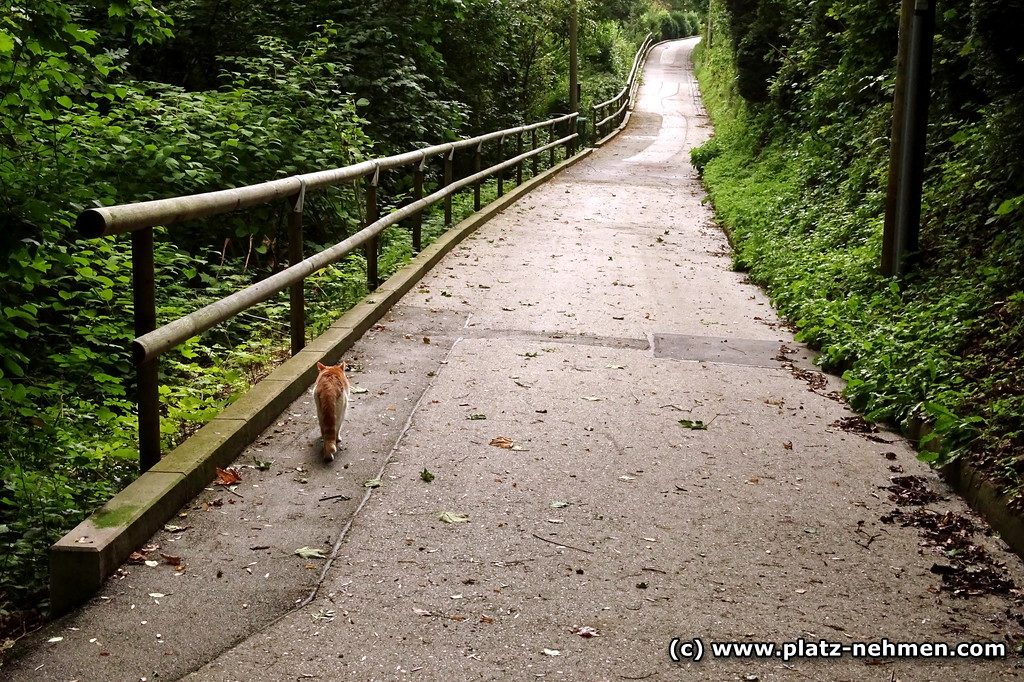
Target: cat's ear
(321,366)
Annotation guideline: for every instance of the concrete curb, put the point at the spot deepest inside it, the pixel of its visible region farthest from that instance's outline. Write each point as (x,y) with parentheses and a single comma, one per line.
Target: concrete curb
(84,558)
(984,497)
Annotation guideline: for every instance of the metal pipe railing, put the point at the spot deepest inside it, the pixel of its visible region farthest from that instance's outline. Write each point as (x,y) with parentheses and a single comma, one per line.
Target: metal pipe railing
(625,97)
(150,346)
(99,222)
(141,218)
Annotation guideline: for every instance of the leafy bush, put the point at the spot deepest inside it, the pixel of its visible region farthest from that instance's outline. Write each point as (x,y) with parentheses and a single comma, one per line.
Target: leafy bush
(704,154)
(798,177)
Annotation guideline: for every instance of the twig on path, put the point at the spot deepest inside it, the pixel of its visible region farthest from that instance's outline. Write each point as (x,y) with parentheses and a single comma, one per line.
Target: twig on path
(654,570)
(343,498)
(233,492)
(871,538)
(562,544)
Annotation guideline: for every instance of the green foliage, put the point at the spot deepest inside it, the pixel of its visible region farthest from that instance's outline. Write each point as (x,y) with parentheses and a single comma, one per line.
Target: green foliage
(799,182)
(704,154)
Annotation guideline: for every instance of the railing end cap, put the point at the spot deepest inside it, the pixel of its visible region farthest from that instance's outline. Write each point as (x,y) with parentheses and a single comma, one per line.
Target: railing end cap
(91,223)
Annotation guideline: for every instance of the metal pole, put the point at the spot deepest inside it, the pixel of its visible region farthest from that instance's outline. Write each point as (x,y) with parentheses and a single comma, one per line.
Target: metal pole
(519,152)
(533,159)
(448,175)
(297,297)
(501,173)
(551,152)
(574,23)
(478,158)
(890,265)
(417,221)
(147,373)
(708,46)
(907,223)
(372,213)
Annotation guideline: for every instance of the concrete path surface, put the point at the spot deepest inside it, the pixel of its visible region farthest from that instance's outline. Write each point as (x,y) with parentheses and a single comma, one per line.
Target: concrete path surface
(541,373)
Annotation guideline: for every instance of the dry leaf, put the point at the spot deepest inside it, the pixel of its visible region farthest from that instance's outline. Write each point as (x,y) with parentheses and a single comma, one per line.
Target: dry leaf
(451,517)
(587,632)
(502,442)
(422,612)
(227,477)
(310,553)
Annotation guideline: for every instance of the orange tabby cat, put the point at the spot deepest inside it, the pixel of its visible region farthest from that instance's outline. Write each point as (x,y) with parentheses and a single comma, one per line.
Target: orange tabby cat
(330,393)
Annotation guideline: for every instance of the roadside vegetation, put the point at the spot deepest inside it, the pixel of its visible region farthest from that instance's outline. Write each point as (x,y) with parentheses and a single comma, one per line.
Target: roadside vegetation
(801,98)
(109,101)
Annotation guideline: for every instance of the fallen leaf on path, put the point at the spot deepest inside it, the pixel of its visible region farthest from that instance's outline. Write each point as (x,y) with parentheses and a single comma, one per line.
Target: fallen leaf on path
(175,561)
(476,417)
(171,528)
(696,424)
(452,517)
(157,595)
(587,632)
(324,615)
(372,483)
(358,389)
(426,476)
(787,444)
(227,477)
(310,553)
(558,504)
(503,442)
(422,612)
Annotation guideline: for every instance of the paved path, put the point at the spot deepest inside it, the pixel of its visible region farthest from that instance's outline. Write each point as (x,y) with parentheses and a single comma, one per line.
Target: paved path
(584,323)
